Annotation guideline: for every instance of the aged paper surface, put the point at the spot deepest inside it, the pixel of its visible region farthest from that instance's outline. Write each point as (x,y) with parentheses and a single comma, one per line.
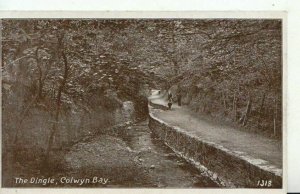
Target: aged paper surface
(85,101)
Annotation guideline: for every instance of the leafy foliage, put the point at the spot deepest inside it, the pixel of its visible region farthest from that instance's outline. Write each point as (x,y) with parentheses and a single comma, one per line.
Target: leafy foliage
(230,69)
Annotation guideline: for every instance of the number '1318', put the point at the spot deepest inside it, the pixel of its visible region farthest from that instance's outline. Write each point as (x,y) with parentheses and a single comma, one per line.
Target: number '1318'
(264,183)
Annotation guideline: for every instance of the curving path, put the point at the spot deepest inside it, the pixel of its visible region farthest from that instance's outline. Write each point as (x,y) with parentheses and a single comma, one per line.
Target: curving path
(250,144)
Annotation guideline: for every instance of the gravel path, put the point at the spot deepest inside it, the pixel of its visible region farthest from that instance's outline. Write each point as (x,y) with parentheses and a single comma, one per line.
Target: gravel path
(252,144)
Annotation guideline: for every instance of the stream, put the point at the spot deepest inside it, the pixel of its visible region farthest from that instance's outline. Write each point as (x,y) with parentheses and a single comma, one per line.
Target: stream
(130,157)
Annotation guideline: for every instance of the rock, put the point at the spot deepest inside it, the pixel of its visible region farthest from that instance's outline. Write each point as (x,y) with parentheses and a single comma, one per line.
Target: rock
(215,176)
(152,166)
(129,127)
(197,164)
(180,164)
(141,160)
(136,159)
(128,122)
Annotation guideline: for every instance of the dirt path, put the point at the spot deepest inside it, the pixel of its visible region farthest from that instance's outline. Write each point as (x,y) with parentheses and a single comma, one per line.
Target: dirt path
(252,144)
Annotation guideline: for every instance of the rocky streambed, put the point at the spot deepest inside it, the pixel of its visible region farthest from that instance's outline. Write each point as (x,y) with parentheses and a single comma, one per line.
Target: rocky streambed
(127,156)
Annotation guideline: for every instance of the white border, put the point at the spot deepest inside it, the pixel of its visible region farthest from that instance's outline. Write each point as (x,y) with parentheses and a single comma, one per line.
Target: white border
(144,5)
(132,14)
(138,14)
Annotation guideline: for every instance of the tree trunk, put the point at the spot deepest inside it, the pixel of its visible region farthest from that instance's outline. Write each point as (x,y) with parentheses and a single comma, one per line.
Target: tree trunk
(224,101)
(275,118)
(40,78)
(247,112)
(234,107)
(57,111)
(261,109)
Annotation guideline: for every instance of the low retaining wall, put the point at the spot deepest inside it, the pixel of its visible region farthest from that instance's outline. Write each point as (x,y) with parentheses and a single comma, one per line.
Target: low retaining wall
(223,166)
(158,106)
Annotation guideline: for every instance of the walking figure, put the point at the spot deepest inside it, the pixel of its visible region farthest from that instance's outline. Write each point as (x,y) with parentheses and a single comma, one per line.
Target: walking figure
(169,95)
(170,102)
(179,97)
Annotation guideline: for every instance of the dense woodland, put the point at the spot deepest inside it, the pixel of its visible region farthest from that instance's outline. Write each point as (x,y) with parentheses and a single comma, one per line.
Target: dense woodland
(63,79)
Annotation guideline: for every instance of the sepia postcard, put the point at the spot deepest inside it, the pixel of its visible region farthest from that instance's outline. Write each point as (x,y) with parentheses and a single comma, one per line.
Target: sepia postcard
(175,101)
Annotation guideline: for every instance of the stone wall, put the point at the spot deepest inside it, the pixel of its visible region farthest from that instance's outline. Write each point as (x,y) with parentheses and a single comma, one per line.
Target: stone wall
(225,167)
(157,106)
